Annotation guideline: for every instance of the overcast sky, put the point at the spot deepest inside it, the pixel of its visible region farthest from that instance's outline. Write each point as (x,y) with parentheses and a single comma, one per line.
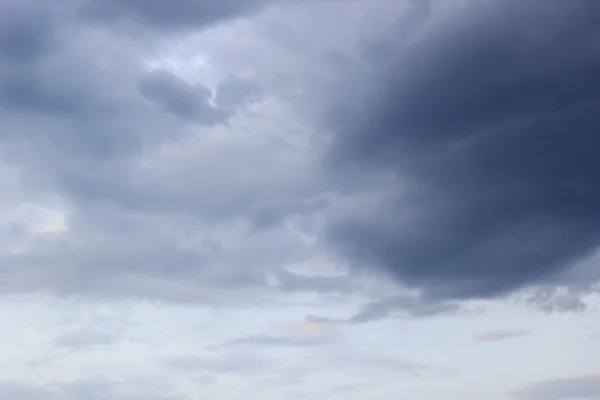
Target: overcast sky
(299,199)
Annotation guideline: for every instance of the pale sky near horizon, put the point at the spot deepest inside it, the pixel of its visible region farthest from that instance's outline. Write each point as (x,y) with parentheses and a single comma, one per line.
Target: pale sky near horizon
(299,199)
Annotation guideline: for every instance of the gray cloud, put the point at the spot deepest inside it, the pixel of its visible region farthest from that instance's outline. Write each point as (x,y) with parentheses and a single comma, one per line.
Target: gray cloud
(396,306)
(179,98)
(271,341)
(124,150)
(488,118)
(582,387)
(230,93)
(81,122)
(148,162)
(558,299)
(175,15)
(193,102)
(403,305)
(499,335)
(26,33)
(291,281)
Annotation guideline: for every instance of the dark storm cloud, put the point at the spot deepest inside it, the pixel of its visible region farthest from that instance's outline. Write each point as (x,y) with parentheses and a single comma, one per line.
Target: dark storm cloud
(490,120)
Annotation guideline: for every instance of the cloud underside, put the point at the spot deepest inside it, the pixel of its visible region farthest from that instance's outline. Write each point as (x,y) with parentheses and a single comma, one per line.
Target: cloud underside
(468,169)
(489,120)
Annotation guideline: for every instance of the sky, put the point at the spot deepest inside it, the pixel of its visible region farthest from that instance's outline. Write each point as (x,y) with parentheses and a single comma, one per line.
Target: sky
(299,199)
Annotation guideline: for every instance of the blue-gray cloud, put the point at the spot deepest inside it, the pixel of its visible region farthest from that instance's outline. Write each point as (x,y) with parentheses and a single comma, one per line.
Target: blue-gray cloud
(399,306)
(179,98)
(460,189)
(488,118)
(581,387)
(79,112)
(175,15)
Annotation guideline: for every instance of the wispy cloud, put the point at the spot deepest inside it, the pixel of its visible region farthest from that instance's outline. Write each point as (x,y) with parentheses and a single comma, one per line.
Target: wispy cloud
(271,341)
(585,387)
(362,361)
(500,335)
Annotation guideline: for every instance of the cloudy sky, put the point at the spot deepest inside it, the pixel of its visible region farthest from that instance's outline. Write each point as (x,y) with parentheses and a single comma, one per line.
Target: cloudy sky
(299,199)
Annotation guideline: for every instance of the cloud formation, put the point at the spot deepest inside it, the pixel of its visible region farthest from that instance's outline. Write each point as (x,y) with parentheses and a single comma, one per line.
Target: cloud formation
(302,199)
(488,119)
(396,306)
(129,151)
(452,166)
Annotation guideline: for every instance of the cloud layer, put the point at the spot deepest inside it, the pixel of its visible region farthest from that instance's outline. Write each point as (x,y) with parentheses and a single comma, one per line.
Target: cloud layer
(449,149)
(302,199)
